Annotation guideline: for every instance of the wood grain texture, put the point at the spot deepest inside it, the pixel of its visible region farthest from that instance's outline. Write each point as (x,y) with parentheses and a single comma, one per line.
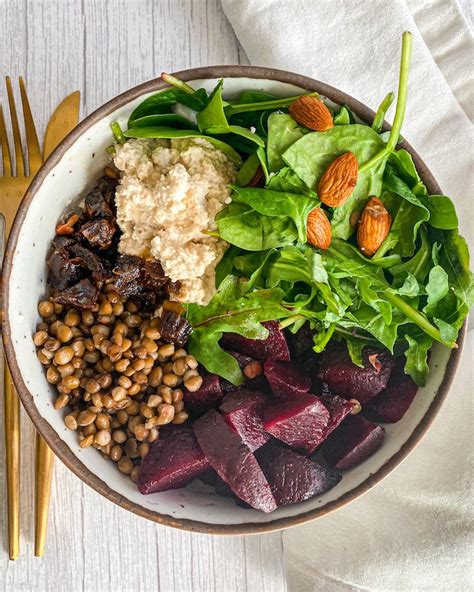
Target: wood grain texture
(102,48)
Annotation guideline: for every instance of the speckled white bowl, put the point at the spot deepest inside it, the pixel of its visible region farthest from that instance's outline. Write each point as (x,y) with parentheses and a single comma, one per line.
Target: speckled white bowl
(73,168)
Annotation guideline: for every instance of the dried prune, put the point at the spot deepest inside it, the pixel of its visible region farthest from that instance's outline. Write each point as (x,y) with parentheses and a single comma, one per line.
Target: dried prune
(99,233)
(82,295)
(63,271)
(175,328)
(153,276)
(127,271)
(97,206)
(89,260)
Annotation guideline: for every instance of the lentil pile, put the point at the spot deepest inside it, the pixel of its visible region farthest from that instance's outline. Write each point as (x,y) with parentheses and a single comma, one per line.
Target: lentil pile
(109,339)
(120,380)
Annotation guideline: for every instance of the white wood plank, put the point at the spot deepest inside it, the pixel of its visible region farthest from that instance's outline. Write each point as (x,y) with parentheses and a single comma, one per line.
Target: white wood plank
(104,47)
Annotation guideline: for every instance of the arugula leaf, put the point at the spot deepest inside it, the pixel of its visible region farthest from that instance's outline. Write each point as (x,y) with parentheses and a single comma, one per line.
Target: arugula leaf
(419,265)
(437,286)
(354,348)
(242,226)
(443,212)
(410,287)
(276,203)
(416,364)
(230,311)
(310,156)
(283,131)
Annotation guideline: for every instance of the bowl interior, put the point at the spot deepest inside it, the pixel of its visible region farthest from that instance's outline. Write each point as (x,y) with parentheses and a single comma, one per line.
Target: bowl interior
(75,172)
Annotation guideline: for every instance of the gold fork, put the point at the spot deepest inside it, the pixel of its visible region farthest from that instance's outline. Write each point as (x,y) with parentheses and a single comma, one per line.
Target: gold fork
(13,185)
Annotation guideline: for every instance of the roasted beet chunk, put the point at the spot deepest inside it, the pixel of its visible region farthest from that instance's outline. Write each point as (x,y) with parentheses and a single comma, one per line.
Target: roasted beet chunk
(82,295)
(63,271)
(209,395)
(350,381)
(274,346)
(97,206)
(127,271)
(89,260)
(99,233)
(293,478)
(233,461)
(243,411)
(353,442)
(175,328)
(392,403)
(301,343)
(338,408)
(173,460)
(286,378)
(299,422)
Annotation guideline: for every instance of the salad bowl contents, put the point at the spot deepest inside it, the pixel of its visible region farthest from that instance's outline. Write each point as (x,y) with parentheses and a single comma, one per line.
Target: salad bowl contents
(244,301)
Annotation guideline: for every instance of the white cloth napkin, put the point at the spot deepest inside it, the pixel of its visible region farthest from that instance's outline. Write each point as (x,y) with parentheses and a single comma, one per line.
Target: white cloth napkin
(414,531)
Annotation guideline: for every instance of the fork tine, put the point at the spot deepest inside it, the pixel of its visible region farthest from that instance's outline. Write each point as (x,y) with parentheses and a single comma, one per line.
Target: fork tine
(34,151)
(6,160)
(20,163)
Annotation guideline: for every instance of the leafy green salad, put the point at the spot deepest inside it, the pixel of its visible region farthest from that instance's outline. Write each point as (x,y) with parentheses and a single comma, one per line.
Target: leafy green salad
(415,290)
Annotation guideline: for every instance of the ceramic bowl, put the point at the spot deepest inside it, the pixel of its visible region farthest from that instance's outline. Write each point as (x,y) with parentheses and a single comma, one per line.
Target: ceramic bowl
(73,168)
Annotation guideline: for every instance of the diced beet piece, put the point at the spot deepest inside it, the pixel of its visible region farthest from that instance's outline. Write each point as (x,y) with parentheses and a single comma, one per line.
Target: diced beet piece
(207,396)
(350,381)
(175,328)
(353,442)
(338,408)
(173,460)
(293,477)
(299,422)
(243,411)
(274,346)
(82,295)
(286,378)
(233,461)
(392,403)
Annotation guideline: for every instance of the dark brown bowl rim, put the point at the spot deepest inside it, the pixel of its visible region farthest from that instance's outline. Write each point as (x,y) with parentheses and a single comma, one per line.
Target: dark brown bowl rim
(51,436)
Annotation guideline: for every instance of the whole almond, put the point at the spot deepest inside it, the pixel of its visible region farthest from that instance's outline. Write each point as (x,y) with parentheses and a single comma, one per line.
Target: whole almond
(318,229)
(338,180)
(312,113)
(374,226)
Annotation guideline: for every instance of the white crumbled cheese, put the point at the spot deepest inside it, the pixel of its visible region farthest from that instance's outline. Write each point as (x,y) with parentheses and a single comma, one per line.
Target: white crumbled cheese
(169,194)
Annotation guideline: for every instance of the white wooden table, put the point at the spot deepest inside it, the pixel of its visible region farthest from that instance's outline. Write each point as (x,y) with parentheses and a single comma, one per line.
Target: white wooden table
(103,47)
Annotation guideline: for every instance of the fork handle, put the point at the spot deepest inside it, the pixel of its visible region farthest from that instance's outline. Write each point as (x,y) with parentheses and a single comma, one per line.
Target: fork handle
(43,477)
(12,446)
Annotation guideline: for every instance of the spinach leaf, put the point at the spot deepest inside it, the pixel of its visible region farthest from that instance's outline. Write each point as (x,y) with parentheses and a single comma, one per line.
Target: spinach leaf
(163,101)
(416,364)
(344,116)
(248,170)
(402,162)
(170,133)
(213,114)
(287,180)
(277,203)
(283,131)
(382,111)
(443,212)
(263,105)
(230,311)
(238,130)
(225,266)
(310,156)
(242,226)
(254,96)
(163,120)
